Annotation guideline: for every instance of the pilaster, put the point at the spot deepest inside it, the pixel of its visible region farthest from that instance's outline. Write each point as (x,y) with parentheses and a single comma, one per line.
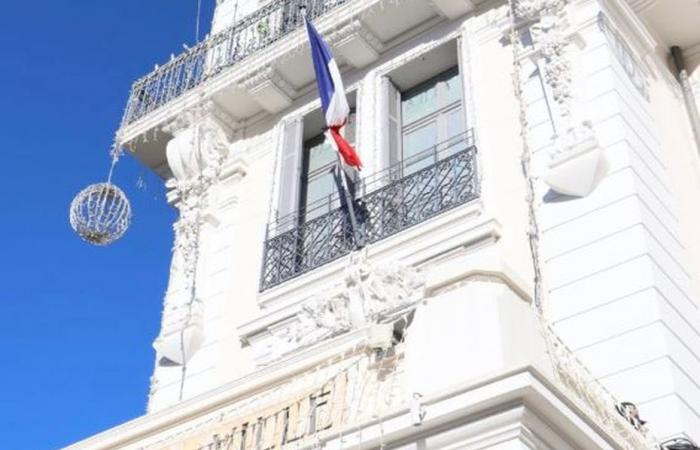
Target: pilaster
(200,159)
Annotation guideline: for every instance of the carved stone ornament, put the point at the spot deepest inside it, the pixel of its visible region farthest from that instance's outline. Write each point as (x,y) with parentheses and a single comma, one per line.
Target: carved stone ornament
(196,154)
(578,163)
(369,294)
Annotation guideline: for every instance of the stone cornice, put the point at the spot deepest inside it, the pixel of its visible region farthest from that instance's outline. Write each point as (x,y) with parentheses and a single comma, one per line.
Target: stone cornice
(639,6)
(526,385)
(633,28)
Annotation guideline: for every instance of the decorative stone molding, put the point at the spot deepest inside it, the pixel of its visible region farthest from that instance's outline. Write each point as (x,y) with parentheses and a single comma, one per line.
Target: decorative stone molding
(577,161)
(369,294)
(196,154)
(355,43)
(269,89)
(625,56)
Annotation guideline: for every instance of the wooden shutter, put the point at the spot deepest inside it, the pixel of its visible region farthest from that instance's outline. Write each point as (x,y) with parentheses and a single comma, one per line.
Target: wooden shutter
(392,144)
(290,173)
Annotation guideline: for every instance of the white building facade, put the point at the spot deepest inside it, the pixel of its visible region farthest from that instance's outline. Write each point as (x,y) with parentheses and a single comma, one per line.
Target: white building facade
(524,256)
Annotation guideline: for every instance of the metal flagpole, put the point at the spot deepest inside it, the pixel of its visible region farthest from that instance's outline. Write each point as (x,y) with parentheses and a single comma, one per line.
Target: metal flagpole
(358,237)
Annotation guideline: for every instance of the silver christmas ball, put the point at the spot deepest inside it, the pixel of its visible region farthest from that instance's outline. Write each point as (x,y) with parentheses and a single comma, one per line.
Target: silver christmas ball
(100,213)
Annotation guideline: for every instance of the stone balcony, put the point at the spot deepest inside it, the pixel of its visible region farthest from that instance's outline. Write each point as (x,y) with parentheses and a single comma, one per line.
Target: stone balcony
(260,65)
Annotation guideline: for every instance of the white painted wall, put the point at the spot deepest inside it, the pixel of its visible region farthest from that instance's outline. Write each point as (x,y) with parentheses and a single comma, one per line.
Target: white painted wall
(619,263)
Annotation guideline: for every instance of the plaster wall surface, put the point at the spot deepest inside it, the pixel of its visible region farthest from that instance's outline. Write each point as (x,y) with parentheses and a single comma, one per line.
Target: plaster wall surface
(618,262)
(232,241)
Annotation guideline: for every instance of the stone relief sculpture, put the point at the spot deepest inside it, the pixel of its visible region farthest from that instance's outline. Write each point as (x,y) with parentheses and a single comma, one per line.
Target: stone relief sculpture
(369,294)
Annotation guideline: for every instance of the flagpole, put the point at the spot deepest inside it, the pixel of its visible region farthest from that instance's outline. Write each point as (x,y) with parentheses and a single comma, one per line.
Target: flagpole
(358,237)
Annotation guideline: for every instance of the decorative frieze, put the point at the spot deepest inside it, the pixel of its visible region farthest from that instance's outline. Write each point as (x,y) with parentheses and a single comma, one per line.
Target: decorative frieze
(368,294)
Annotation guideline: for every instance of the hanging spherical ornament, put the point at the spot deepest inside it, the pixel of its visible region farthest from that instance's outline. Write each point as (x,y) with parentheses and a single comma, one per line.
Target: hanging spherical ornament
(100,213)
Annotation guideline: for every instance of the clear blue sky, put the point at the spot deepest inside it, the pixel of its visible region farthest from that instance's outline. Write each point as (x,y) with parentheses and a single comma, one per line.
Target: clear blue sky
(77,321)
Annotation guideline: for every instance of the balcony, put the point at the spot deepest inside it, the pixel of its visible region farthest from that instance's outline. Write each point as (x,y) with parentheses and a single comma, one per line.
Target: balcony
(260,65)
(404,195)
(195,66)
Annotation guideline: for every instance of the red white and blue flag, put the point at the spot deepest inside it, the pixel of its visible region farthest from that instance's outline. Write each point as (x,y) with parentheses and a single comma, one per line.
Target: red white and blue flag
(330,88)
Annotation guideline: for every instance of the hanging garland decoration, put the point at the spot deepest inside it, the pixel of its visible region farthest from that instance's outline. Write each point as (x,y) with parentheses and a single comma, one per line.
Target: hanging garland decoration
(101,213)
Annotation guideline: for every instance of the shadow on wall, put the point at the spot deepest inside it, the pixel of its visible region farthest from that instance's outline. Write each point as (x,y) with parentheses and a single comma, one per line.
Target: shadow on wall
(554,197)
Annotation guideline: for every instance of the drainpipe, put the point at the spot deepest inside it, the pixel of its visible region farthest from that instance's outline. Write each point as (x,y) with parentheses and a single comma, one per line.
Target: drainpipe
(690,102)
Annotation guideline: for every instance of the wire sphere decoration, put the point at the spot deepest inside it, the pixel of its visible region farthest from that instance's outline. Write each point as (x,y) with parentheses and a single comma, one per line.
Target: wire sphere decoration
(100,214)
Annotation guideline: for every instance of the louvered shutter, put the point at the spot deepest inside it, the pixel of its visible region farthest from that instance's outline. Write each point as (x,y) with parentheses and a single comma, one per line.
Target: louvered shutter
(290,174)
(391,109)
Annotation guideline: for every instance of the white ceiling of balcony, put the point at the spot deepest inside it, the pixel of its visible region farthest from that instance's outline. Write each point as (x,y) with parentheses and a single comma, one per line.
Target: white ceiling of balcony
(390,20)
(676,22)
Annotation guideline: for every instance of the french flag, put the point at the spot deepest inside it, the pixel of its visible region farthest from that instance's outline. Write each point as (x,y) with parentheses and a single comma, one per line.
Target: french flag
(330,88)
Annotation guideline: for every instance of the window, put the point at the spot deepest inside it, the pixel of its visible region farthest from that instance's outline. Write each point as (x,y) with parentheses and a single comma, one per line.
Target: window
(425,166)
(425,115)
(307,182)
(319,189)
(431,119)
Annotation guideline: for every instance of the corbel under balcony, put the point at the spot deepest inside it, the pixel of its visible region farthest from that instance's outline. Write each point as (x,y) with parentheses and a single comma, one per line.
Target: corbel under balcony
(356,43)
(268,89)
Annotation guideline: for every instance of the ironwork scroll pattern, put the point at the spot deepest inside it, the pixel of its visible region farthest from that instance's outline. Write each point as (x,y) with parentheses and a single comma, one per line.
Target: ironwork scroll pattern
(208,58)
(394,205)
(306,247)
(420,196)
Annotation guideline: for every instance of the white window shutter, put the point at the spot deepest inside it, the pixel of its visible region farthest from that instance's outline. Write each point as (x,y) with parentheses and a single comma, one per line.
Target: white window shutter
(290,173)
(391,145)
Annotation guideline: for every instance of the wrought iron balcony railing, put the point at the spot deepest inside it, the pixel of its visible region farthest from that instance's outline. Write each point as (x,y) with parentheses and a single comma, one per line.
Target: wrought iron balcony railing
(208,58)
(404,195)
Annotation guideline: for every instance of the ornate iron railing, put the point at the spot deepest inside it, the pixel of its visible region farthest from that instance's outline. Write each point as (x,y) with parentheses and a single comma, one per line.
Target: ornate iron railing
(208,58)
(404,195)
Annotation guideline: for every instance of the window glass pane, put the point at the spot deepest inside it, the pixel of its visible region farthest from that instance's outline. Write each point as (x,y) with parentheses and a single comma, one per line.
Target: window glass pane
(318,182)
(419,103)
(320,153)
(349,131)
(319,189)
(451,91)
(455,128)
(417,146)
